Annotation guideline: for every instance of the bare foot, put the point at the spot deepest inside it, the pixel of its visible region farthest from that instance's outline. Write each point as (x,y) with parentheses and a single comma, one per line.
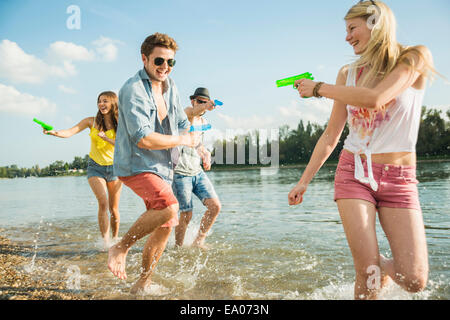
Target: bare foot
(116,261)
(201,245)
(140,286)
(106,244)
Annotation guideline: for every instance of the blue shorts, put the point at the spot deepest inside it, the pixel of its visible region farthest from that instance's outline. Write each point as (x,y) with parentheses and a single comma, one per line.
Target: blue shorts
(96,170)
(184,186)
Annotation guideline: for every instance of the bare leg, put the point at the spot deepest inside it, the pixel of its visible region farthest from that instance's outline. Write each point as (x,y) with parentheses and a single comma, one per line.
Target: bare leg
(387,270)
(98,186)
(213,208)
(406,235)
(153,249)
(114,190)
(180,229)
(149,221)
(358,219)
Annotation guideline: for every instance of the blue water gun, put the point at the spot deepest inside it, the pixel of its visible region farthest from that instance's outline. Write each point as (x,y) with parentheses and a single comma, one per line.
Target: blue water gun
(203,127)
(218,103)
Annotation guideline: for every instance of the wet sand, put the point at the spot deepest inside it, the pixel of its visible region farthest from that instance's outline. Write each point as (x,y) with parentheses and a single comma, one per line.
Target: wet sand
(17,284)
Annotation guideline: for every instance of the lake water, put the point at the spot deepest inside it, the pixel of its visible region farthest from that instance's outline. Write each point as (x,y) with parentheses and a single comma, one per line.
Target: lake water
(261,248)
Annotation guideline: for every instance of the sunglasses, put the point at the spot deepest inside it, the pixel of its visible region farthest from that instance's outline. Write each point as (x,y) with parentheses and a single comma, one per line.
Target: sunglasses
(201,101)
(159,61)
(373,2)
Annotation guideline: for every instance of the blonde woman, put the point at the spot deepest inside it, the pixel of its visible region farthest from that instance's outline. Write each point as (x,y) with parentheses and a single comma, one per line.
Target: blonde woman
(380,97)
(105,185)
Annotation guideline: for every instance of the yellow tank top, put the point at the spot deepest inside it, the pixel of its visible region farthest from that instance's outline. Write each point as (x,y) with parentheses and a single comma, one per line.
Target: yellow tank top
(102,152)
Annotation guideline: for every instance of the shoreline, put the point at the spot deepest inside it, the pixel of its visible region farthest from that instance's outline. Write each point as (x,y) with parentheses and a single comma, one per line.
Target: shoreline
(242,168)
(18,284)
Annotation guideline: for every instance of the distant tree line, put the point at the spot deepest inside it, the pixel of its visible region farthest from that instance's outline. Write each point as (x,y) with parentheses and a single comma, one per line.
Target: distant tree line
(295,147)
(58,168)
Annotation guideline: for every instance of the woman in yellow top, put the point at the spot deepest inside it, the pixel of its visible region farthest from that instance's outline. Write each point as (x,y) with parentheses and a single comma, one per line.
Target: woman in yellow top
(104,184)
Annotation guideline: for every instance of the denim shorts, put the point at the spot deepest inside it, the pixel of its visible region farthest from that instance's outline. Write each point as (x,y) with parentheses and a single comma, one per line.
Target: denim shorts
(96,170)
(184,186)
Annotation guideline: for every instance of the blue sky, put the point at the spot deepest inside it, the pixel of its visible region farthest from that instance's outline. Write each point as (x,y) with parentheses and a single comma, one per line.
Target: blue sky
(237,49)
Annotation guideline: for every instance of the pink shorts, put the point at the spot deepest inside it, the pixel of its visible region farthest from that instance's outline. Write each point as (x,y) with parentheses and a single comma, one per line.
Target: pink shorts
(156,193)
(397,185)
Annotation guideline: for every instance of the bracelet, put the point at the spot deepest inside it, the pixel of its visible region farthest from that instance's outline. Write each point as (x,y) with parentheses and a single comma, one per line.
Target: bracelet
(316,90)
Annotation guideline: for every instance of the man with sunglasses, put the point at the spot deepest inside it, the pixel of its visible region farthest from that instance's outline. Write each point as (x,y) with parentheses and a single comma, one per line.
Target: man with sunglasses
(150,119)
(190,178)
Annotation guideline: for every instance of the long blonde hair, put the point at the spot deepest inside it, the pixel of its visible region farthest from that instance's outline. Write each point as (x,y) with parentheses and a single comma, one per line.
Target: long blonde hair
(383,53)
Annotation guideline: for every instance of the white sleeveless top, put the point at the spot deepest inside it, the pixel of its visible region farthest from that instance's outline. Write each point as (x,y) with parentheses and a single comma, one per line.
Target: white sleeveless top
(393,128)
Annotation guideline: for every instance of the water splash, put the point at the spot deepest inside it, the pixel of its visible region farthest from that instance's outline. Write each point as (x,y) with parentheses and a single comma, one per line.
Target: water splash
(345,291)
(73,278)
(188,276)
(154,290)
(30,267)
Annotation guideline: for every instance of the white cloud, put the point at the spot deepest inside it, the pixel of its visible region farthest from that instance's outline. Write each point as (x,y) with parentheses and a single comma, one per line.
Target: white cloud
(312,110)
(248,123)
(19,67)
(66,89)
(106,48)
(15,102)
(68,51)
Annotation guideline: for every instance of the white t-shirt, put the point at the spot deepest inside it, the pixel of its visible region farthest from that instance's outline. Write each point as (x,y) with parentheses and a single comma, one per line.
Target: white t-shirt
(392,128)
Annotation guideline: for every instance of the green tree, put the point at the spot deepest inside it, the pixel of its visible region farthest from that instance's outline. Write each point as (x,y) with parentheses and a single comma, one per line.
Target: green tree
(433,137)
(77,163)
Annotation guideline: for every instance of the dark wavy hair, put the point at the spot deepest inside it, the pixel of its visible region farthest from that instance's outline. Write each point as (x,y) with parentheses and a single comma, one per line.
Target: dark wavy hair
(99,119)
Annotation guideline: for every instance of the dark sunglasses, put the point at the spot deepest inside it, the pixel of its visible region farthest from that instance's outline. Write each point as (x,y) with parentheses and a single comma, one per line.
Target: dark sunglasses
(201,101)
(159,61)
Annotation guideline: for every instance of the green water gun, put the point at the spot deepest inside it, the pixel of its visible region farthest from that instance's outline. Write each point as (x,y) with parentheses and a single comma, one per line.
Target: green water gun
(44,126)
(291,80)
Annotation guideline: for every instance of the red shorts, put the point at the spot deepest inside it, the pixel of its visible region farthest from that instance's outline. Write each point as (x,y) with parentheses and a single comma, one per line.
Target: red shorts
(156,193)
(397,185)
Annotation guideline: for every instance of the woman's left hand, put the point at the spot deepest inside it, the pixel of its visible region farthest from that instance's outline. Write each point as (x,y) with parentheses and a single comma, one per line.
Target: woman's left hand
(102,135)
(305,87)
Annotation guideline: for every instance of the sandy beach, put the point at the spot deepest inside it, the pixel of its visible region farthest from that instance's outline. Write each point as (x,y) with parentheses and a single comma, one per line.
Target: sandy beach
(17,284)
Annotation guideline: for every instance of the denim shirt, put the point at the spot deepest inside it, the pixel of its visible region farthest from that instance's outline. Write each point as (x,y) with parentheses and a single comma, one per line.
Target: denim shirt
(138,118)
